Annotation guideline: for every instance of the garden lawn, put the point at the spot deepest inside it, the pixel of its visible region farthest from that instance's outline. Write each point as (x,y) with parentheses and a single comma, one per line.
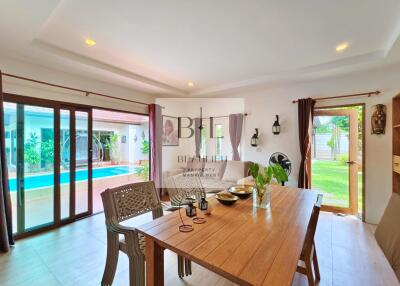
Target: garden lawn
(331,178)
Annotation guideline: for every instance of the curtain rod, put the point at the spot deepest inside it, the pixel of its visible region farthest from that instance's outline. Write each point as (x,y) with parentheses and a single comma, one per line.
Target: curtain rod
(86,92)
(377,92)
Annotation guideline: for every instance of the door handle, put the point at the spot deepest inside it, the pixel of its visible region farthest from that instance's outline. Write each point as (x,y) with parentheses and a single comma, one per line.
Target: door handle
(20,183)
(351,162)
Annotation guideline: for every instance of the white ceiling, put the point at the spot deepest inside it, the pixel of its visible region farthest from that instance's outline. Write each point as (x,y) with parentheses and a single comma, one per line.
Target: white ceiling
(158,45)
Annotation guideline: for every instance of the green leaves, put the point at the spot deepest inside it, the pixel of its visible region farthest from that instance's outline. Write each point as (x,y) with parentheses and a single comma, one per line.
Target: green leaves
(254,168)
(271,172)
(145,147)
(280,173)
(260,181)
(268,174)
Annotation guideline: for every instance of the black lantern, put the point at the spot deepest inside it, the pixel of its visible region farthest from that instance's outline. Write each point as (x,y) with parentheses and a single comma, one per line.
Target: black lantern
(276,128)
(203,204)
(190,209)
(254,139)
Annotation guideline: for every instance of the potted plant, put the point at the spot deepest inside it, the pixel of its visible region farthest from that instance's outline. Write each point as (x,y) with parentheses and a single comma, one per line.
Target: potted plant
(262,180)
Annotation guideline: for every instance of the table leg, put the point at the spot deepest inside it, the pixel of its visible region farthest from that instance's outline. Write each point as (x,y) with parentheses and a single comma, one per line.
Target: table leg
(154,263)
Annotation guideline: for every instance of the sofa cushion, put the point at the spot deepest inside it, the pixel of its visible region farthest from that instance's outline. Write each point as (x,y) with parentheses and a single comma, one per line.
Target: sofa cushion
(212,185)
(235,170)
(214,169)
(387,233)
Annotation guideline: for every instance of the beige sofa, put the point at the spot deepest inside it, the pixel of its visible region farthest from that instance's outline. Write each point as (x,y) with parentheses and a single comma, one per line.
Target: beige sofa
(214,176)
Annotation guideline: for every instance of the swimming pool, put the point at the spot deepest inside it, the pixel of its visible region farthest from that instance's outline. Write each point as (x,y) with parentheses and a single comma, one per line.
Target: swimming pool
(47,180)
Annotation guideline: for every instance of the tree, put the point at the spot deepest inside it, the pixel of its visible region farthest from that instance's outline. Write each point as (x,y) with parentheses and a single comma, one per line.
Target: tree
(113,145)
(31,153)
(47,152)
(145,148)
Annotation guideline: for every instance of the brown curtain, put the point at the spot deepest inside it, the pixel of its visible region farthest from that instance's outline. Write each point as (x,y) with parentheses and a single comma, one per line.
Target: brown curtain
(6,238)
(305,116)
(155,118)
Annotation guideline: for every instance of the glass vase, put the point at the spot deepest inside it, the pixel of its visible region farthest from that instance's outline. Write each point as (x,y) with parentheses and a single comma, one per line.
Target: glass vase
(262,197)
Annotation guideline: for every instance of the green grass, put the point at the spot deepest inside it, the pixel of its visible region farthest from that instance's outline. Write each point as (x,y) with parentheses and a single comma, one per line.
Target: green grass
(331,178)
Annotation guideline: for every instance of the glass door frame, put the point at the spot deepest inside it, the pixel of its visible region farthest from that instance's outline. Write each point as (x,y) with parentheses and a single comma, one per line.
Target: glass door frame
(72,128)
(352,161)
(57,106)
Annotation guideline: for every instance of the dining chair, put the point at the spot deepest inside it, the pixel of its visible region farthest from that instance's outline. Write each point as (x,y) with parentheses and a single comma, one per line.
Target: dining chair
(387,233)
(186,185)
(123,203)
(308,255)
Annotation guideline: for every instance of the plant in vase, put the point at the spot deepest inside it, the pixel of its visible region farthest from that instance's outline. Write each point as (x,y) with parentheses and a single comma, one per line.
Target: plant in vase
(262,180)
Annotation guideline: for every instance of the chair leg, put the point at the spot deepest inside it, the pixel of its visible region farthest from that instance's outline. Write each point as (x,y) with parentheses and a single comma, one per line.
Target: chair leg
(309,272)
(316,267)
(112,259)
(136,271)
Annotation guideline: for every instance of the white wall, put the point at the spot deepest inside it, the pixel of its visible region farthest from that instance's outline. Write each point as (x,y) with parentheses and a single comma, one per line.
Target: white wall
(190,107)
(263,105)
(25,69)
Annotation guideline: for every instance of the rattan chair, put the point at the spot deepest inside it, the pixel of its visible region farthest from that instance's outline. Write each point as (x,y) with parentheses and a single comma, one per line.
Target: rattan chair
(185,185)
(308,255)
(123,203)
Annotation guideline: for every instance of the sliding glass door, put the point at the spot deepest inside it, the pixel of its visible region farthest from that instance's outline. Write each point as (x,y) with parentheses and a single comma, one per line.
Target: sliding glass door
(30,158)
(75,162)
(51,147)
(49,164)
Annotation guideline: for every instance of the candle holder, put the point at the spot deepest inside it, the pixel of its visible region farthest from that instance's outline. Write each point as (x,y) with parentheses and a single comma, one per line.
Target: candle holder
(197,219)
(203,204)
(184,227)
(190,208)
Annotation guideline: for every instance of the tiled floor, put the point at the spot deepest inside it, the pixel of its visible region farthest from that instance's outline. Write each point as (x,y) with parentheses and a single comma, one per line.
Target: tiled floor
(75,255)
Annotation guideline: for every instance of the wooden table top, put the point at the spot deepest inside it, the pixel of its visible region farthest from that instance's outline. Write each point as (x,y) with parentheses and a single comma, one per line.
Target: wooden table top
(245,245)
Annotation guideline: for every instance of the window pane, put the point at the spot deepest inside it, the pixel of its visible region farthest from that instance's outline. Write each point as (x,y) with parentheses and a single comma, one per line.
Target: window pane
(39,165)
(10,125)
(65,162)
(81,161)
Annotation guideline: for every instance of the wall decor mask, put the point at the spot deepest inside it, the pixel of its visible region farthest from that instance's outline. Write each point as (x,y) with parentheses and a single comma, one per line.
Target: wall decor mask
(378,119)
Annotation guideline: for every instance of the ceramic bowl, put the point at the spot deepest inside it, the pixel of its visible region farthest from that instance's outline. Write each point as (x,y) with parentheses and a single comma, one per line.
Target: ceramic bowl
(242,191)
(226,198)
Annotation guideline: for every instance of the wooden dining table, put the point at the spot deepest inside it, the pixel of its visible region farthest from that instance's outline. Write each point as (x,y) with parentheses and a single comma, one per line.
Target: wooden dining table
(246,245)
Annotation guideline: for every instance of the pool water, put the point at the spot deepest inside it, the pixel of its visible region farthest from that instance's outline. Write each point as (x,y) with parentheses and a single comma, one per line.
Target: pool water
(47,180)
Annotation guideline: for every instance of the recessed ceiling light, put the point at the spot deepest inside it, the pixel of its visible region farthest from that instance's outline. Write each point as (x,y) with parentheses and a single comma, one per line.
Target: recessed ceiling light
(190,84)
(341,47)
(90,42)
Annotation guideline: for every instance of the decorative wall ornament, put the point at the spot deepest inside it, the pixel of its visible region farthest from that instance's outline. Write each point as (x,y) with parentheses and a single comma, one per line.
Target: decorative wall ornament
(254,138)
(276,128)
(170,131)
(378,119)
